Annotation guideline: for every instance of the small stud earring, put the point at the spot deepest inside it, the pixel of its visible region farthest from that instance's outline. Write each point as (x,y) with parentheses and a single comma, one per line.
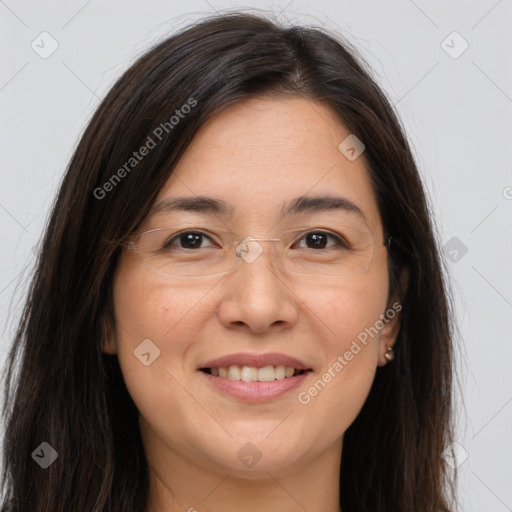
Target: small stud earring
(389,355)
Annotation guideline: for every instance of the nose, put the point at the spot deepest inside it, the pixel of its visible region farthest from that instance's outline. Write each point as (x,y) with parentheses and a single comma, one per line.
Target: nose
(257,295)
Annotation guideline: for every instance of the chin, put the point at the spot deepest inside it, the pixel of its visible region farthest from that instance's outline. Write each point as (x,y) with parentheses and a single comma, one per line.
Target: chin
(254,455)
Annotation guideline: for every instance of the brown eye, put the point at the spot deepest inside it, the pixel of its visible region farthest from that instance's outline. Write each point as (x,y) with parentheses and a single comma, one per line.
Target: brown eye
(320,239)
(187,240)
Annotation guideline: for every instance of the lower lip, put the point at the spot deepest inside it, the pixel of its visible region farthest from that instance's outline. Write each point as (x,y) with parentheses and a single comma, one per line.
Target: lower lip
(256,391)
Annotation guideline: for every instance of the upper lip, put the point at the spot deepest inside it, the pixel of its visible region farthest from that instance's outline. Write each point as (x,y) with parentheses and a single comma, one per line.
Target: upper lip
(258,360)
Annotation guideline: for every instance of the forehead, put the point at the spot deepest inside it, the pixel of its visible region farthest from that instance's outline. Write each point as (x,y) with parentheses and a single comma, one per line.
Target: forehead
(260,155)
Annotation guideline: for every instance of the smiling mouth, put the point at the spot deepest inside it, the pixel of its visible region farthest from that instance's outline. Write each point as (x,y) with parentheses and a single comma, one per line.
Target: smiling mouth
(254,374)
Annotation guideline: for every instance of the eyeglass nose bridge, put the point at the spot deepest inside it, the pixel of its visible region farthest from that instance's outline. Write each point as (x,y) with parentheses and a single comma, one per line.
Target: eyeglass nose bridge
(249,249)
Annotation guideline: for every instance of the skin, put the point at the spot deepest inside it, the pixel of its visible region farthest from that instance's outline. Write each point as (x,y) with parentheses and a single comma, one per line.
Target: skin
(256,155)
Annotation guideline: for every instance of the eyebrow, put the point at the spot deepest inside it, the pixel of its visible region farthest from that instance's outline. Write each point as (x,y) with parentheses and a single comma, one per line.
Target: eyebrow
(300,205)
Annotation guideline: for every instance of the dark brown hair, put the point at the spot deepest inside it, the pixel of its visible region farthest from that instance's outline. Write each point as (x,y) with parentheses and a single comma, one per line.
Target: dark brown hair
(62,389)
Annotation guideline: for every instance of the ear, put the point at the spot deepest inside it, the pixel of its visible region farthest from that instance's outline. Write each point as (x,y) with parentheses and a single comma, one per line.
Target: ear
(108,337)
(391,319)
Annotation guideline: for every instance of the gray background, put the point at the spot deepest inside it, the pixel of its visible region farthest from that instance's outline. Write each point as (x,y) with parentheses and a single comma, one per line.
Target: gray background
(456,109)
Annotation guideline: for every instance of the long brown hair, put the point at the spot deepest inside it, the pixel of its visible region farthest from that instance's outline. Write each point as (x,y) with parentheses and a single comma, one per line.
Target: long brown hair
(60,387)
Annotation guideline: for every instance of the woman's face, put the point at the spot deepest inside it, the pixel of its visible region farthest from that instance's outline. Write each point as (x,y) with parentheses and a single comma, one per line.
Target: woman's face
(257,157)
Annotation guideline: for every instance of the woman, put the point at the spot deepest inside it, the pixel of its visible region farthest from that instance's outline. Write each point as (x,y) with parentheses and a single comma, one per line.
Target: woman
(239,301)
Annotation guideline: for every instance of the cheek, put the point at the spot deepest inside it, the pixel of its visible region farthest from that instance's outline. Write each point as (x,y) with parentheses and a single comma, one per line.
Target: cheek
(346,318)
(154,326)
(146,306)
(345,310)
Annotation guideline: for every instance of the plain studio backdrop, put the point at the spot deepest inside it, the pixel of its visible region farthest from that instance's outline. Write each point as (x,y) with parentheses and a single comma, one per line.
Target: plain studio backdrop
(445,66)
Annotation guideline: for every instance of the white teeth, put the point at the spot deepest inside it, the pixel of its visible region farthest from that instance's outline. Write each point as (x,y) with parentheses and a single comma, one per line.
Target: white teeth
(280,372)
(266,374)
(253,374)
(249,374)
(234,373)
